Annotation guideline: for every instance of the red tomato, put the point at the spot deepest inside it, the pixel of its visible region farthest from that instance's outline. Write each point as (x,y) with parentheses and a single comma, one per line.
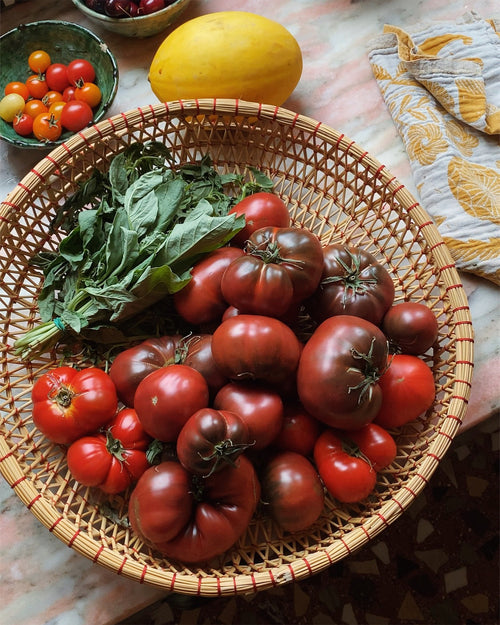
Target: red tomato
(196,352)
(259,406)
(69,93)
(353,282)
(38,61)
(292,491)
(210,440)
(201,300)
(90,93)
(37,86)
(375,443)
(260,209)
(411,327)
(80,71)
(258,287)
(339,371)
(190,518)
(407,391)
(113,460)
(133,364)
(165,399)
(56,76)
(76,115)
(23,124)
(46,127)
(347,478)
(17,87)
(254,347)
(68,403)
(299,430)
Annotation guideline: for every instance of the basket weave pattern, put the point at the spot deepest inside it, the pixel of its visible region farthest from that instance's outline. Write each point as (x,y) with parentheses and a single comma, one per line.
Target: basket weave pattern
(333,188)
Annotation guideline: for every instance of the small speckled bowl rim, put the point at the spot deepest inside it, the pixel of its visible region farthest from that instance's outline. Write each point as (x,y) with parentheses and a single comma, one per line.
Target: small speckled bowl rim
(103,109)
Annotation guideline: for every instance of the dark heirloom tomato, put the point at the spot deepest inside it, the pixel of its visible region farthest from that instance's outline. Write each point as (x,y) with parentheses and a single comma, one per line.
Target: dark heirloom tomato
(292,491)
(411,326)
(347,477)
(339,369)
(112,460)
(166,398)
(298,250)
(210,440)
(260,210)
(68,403)
(201,300)
(191,518)
(299,430)
(353,282)
(135,363)
(259,406)
(196,351)
(407,391)
(255,347)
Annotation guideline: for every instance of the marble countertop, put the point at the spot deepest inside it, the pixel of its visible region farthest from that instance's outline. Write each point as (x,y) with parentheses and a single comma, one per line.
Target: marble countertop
(44,582)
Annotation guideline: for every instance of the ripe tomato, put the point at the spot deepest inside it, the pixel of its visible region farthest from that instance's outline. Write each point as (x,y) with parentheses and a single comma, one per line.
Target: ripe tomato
(353,282)
(210,440)
(52,96)
(34,108)
(113,460)
(166,398)
(254,347)
(90,93)
(201,300)
(260,209)
(17,87)
(69,93)
(297,250)
(55,109)
(56,76)
(23,125)
(259,406)
(37,86)
(80,71)
(375,443)
(46,127)
(196,352)
(133,364)
(411,327)
(150,6)
(76,115)
(190,518)
(38,61)
(407,391)
(339,370)
(299,430)
(348,478)
(292,491)
(68,403)
(11,105)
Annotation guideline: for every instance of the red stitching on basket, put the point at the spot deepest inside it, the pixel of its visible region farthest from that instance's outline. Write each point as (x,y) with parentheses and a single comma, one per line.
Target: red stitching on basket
(410,490)
(33,501)
(465,322)
(399,504)
(236,105)
(427,223)
(467,339)
(382,517)
(449,266)
(66,147)
(219,590)
(460,308)
(120,568)
(73,538)
(21,479)
(198,591)
(52,160)
(80,134)
(453,286)
(273,580)
(345,545)
(99,551)
(55,524)
(172,583)
(401,186)
(464,362)
(308,566)
(25,188)
(450,438)
(366,531)
(254,582)
(143,574)
(98,130)
(379,171)
(452,416)
(466,382)
(37,173)
(294,121)
(461,398)
(435,457)
(126,119)
(10,453)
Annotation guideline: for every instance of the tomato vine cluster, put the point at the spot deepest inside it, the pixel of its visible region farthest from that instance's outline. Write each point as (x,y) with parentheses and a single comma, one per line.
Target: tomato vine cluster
(299,367)
(55,97)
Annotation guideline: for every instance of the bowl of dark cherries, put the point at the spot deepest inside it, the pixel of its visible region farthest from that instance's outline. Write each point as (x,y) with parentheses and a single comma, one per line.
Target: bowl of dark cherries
(132,18)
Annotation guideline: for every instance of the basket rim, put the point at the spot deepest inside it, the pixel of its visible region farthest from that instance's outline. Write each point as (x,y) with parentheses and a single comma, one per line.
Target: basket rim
(300,567)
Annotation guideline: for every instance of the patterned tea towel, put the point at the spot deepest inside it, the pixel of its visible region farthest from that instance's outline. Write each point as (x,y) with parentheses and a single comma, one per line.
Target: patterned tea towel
(441,84)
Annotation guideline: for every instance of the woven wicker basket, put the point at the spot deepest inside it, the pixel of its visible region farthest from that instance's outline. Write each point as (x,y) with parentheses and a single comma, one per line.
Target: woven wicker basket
(332,187)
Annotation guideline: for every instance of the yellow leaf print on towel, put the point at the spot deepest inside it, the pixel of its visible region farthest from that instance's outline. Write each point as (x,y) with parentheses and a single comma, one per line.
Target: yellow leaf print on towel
(476,188)
(434,45)
(471,98)
(472,250)
(464,141)
(425,142)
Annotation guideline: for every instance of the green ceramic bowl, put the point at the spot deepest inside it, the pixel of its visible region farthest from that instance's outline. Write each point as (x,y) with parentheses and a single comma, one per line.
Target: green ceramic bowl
(64,42)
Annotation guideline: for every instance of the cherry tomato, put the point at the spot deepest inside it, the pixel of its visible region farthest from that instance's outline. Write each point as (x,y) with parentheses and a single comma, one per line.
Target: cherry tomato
(52,96)
(56,76)
(23,125)
(90,93)
(46,127)
(411,327)
(407,391)
(375,443)
(56,108)
(347,477)
(260,209)
(35,107)
(68,403)
(112,460)
(37,86)
(69,93)
(76,115)
(17,87)
(11,105)
(299,430)
(292,491)
(38,61)
(150,6)
(80,71)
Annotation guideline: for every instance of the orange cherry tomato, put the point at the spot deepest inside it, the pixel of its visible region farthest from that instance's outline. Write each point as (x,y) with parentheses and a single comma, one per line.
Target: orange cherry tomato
(37,86)
(35,107)
(52,96)
(46,127)
(38,61)
(16,86)
(90,93)
(55,109)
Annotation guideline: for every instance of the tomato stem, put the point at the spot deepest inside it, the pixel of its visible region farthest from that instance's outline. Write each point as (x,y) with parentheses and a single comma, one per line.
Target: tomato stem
(223,452)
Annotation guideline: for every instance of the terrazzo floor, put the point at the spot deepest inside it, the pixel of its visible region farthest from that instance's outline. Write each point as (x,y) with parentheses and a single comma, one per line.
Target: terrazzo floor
(438,564)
